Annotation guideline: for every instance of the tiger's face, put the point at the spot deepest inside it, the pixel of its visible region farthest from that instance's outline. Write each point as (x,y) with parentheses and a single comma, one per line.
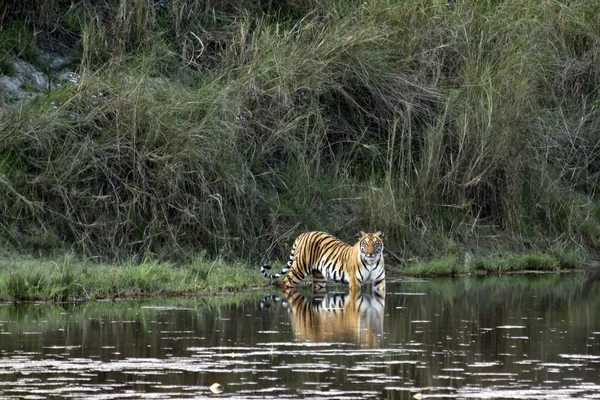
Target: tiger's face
(371,246)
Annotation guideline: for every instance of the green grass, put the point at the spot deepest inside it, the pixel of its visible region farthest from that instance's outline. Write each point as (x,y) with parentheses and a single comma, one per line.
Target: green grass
(447,266)
(73,280)
(70,279)
(17,39)
(229,129)
(496,265)
(512,263)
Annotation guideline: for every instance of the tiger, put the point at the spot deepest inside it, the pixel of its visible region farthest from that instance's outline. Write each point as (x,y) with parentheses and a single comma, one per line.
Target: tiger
(328,258)
(353,317)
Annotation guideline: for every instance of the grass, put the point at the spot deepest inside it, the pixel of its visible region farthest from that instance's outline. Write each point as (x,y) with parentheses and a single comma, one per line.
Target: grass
(228,129)
(71,280)
(17,40)
(495,265)
(447,266)
(68,279)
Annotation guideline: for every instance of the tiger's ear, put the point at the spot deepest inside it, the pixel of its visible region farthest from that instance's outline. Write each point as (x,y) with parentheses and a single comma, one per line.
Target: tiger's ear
(361,234)
(380,234)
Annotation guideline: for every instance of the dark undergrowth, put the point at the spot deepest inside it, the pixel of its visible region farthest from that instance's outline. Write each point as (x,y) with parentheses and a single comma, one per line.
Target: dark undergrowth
(227,128)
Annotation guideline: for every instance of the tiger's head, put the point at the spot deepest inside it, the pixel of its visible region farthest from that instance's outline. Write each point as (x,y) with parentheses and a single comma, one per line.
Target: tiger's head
(371,246)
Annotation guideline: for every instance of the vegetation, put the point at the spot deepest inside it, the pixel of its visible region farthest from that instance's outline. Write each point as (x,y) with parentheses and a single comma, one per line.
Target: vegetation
(227,128)
(531,262)
(70,280)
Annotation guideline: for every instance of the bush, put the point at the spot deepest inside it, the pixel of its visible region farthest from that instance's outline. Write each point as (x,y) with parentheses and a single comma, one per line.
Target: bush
(230,127)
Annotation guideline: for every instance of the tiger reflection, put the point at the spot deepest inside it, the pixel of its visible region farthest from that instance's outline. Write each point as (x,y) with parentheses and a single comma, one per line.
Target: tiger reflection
(340,317)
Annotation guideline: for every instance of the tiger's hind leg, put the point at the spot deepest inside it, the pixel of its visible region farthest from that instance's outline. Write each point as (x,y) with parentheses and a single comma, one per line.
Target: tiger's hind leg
(294,277)
(319,284)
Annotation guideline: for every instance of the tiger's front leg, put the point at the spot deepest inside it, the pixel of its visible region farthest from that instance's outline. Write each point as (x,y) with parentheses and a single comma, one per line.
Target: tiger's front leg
(379,288)
(379,282)
(354,286)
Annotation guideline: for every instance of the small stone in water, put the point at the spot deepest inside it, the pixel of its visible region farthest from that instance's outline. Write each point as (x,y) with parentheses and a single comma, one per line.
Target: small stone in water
(216,388)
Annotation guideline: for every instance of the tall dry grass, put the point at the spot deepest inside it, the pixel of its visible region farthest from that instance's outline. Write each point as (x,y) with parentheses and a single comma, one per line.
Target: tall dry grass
(232,126)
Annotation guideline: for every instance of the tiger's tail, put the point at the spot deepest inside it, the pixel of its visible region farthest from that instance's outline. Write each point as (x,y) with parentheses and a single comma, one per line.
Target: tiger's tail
(266,267)
(284,271)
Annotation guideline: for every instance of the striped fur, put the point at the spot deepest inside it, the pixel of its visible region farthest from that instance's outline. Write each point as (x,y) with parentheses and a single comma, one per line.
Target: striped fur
(327,258)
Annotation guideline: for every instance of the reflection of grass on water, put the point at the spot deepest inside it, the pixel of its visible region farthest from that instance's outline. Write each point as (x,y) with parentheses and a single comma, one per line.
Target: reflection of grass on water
(67,279)
(562,291)
(28,317)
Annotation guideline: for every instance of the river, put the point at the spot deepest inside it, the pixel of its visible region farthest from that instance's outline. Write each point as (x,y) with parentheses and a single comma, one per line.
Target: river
(515,337)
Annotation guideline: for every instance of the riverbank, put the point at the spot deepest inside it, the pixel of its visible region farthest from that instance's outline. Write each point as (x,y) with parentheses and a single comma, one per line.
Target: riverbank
(68,279)
(496,265)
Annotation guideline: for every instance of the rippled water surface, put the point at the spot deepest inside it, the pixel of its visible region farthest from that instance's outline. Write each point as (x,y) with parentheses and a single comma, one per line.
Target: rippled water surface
(518,337)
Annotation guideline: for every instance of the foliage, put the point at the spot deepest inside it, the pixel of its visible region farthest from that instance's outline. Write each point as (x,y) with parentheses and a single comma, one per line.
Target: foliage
(230,127)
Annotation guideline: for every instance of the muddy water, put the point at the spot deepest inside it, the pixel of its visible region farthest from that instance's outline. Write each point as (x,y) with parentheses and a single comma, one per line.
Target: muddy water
(512,338)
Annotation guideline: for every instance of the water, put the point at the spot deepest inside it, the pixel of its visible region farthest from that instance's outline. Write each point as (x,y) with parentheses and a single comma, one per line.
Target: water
(518,337)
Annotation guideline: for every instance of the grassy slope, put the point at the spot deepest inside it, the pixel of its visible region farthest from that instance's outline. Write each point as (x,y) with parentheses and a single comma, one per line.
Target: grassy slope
(228,128)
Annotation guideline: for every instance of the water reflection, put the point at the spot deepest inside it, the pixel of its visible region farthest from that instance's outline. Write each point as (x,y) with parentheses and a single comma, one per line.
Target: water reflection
(511,337)
(335,317)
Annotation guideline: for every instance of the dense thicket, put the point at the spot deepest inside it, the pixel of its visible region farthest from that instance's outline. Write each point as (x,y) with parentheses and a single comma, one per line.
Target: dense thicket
(230,127)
